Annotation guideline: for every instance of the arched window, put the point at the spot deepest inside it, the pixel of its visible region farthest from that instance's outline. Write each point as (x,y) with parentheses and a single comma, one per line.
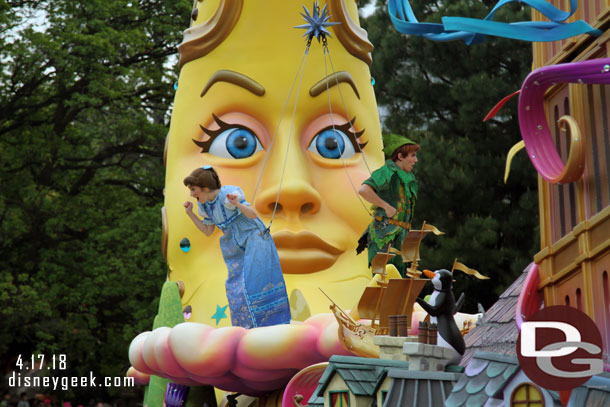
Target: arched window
(606,288)
(526,395)
(571,188)
(606,292)
(568,300)
(598,150)
(578,299)
(560,187)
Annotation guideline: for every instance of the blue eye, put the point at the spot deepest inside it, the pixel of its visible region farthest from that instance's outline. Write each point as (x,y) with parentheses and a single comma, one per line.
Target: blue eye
(332,143)
(235,142)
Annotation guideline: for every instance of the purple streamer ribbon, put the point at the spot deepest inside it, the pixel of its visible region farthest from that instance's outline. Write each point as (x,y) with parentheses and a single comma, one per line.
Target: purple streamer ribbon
(532,118)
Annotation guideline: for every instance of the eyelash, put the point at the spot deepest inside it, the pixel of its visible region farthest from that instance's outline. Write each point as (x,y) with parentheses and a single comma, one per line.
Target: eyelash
(345,128)
(205,145)
(353,137)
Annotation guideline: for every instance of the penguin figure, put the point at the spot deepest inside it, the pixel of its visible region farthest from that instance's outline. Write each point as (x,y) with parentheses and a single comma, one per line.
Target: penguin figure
(441,308)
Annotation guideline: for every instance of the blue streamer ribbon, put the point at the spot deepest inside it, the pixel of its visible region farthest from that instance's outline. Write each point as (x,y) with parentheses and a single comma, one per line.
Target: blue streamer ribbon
(473,31)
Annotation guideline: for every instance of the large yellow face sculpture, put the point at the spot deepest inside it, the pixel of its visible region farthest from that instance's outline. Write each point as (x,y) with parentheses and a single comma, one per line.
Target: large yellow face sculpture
(239,61)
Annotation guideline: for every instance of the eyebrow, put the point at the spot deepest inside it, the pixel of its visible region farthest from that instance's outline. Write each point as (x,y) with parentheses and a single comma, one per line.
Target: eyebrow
(332,80)
(236,78)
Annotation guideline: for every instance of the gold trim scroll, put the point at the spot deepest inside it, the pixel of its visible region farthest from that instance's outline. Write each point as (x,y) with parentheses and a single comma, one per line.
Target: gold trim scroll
(575,166)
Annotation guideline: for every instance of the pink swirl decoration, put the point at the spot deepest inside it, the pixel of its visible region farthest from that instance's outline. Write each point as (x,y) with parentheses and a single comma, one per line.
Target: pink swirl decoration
(532,119)
(252,362)
(303,384)
(530,298)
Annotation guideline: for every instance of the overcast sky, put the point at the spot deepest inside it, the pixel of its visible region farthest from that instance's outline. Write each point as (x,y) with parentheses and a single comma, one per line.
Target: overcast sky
(367,10)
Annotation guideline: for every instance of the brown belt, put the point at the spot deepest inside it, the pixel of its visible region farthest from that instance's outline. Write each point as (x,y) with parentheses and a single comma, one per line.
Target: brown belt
(405,225)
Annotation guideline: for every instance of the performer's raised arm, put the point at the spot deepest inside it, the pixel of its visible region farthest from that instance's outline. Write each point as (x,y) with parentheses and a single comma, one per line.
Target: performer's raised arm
(392,189)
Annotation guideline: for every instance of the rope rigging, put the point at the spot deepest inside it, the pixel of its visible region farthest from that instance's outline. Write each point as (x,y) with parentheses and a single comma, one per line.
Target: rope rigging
(316,23)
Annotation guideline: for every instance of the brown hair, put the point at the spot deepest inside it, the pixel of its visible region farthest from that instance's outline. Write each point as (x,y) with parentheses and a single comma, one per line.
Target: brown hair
(203,178)
(202,38)
(353,38)
(405,149)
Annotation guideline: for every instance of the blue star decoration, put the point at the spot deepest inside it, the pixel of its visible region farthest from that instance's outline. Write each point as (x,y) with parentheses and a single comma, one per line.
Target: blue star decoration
(316,22)
(220,313)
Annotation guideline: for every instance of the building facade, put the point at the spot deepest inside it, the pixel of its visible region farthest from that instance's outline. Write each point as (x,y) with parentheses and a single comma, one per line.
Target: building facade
(574,260)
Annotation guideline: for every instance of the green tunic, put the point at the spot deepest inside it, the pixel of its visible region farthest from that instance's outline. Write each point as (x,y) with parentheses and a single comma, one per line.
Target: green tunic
(399,189)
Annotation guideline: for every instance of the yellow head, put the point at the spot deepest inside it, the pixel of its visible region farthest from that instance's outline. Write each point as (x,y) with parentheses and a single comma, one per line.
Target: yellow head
(239,61)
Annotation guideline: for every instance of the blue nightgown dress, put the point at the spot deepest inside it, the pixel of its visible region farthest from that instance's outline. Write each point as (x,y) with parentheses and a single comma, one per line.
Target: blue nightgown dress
(255,284)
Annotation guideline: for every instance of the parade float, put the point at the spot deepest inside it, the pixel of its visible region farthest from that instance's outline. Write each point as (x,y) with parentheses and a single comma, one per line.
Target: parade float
(233,77)
(245,68)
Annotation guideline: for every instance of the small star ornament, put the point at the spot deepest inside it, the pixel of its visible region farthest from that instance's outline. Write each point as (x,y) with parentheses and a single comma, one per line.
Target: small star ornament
(220,313)
(316,23)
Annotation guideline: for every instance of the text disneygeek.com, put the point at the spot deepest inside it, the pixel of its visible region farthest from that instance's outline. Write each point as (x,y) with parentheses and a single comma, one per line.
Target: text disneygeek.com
(66,382)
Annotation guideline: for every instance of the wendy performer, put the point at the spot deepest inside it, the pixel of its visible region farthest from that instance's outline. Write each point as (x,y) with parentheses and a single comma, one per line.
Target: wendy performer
(255,284)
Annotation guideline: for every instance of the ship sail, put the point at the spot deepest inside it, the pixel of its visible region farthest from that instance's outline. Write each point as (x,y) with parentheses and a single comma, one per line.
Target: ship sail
(388,297)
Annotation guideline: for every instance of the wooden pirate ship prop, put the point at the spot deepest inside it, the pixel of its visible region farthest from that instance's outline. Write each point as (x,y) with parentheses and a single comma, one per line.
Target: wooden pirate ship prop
(394,296)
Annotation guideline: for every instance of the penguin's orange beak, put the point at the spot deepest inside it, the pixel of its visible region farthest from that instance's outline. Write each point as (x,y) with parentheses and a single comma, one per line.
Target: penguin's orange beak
(429,274)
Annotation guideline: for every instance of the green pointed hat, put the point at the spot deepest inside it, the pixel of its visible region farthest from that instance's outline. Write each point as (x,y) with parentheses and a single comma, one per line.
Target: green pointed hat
(393,141)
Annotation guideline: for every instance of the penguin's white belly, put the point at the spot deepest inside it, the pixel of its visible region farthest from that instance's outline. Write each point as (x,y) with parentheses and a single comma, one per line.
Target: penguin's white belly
(432,302)
(456,357)
(455,360)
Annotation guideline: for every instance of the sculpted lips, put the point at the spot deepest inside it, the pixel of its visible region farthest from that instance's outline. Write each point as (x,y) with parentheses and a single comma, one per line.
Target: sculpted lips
(304,252)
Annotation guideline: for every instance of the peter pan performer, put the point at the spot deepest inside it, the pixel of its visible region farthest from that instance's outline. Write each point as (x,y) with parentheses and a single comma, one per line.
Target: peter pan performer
(392,189)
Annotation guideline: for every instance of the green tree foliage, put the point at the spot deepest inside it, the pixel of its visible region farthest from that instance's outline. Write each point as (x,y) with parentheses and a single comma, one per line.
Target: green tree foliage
(84,95)
(439,93)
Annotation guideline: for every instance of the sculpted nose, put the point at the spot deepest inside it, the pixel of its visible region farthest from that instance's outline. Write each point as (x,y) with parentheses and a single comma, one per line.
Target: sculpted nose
(297,195)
